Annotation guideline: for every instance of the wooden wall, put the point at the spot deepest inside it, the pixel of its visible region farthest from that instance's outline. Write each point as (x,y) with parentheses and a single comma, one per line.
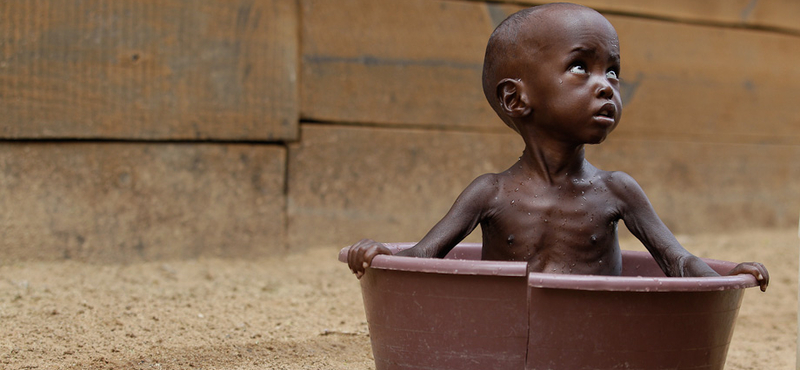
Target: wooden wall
(144,129)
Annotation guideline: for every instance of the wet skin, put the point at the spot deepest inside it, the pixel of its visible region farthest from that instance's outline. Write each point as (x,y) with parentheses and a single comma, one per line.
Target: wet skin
(552,208)
(564,227)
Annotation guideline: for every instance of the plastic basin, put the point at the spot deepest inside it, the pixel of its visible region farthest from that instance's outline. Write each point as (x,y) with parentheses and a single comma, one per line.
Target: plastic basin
(464,313)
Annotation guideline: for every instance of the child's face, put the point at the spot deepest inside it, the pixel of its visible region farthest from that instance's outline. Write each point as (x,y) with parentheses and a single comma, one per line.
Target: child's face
(572,77)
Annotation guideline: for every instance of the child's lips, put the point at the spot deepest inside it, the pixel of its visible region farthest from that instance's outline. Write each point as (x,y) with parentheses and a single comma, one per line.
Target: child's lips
(606,114)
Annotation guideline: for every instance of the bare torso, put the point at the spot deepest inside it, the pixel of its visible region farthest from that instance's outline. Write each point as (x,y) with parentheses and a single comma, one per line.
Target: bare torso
(568,227)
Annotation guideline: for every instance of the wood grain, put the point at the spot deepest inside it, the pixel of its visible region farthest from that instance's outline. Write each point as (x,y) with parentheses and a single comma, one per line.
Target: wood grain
(144,70)
(124,202)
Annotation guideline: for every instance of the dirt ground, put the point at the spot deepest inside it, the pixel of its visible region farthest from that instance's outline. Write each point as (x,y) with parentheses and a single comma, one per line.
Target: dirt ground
(299,311)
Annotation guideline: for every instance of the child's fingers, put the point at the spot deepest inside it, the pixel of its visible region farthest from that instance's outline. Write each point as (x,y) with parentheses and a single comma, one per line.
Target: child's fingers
(763,277)
(763,270)
(369,254)
(354,257)
(360,255)
(758,270)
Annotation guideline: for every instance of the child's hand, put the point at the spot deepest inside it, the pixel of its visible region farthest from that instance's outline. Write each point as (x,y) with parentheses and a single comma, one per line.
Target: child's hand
(361,254)
(753,268)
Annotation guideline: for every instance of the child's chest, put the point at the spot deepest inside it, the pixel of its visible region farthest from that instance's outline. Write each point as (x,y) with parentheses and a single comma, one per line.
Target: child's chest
(577,217)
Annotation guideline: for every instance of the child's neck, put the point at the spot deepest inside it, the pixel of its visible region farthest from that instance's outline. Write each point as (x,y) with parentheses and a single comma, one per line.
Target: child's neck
(553,164)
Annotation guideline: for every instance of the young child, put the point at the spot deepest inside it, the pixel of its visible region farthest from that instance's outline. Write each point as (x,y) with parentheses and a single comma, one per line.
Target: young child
(551,73)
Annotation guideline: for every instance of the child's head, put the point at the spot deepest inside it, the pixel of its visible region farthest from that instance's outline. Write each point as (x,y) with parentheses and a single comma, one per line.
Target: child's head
(557,66)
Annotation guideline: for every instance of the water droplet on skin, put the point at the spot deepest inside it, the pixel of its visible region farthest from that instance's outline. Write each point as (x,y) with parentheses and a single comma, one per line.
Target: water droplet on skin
(517,189)
(600,262)
(512,202)
(511,239)
(529,213)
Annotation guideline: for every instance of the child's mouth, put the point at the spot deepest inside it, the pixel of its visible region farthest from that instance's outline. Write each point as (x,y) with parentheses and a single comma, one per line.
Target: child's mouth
(606,113)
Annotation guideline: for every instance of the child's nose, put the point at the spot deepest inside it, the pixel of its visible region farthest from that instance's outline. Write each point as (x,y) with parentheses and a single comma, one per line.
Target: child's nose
(604,89)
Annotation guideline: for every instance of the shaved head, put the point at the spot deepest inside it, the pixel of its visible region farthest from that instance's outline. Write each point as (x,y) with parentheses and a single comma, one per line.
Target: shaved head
(515,43)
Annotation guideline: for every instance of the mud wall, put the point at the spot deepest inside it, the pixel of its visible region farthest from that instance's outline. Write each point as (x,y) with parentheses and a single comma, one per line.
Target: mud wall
(144,129)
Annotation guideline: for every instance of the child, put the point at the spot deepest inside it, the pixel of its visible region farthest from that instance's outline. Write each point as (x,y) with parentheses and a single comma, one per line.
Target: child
(551,73)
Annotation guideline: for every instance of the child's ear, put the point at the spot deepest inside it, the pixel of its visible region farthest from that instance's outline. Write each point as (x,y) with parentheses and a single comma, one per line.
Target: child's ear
(512,97)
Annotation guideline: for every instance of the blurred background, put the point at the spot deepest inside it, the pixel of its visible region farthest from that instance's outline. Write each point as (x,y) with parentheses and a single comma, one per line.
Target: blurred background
(137,130)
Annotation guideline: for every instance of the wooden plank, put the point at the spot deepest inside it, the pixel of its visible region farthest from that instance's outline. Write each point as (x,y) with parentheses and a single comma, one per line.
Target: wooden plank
(419,64)
(348,183)
(398,62)
(779,15)
(708,83)
(708,187)
(149,69)
(111,202)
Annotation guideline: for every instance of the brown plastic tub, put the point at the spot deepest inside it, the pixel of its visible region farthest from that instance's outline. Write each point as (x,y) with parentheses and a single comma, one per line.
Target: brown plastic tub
(462,313)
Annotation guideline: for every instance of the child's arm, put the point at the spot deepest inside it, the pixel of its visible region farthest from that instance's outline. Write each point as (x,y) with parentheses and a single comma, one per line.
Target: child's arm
(643,222)
(460,221)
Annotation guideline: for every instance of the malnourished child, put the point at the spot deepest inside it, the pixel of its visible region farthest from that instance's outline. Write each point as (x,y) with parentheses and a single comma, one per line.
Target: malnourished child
(551,73)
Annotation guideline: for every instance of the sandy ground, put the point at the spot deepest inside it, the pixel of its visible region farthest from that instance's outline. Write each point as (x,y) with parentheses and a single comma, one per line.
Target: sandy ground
(300,311)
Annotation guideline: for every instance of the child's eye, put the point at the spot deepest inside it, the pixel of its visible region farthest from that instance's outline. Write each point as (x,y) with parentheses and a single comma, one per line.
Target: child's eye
(611,75)
(577,68)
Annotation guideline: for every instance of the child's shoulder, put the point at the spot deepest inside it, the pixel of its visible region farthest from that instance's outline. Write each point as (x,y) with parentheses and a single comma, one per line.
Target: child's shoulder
(486,188)
(620,184)
(480,195)
(494,181)
(486,183)
(614,178)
